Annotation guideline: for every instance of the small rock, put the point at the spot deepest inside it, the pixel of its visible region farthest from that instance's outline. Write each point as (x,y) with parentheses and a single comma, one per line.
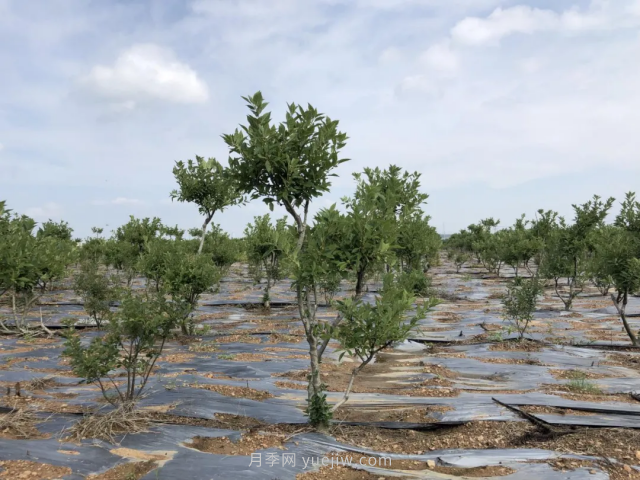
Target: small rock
(627,468)
(431,464)
(638,454)
(592,471)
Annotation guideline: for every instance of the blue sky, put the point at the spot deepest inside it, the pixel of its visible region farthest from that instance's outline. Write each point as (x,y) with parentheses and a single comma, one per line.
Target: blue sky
(503,106)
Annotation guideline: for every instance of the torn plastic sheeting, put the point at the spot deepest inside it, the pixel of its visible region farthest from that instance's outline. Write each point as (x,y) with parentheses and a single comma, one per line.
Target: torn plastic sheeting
(314,445)
(618,385)
(472,373)
(532,471)
(400,425)
(252,300)
(187,462)
(514,458)
(199,403)
(191,463)
(541,399)
(467,406)
(612,421)
(90,459)
(616,344)
(554,356)
(633,306)
(263,369)
(491,457)
(475,413)
(157,385)
(20,375)
(464,458)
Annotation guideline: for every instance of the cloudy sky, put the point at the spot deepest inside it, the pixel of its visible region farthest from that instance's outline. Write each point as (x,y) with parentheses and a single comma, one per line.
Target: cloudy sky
(503,106)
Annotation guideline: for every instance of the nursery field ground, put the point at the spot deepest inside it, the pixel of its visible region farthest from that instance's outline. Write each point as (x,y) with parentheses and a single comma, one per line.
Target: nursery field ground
(460,399)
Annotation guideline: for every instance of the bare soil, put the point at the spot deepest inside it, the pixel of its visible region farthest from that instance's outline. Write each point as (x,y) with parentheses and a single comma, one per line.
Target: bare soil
(25,469)
(238,392)
(126,471)
(246,445)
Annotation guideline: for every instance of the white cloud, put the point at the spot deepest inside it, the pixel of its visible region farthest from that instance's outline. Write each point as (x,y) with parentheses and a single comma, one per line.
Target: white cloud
(118,201)
(523,19)
(423,84)
(440,57)
(146,72)
(543,105)
(45,212)
(390,55)
(530,65)
(501,23)
(1,147)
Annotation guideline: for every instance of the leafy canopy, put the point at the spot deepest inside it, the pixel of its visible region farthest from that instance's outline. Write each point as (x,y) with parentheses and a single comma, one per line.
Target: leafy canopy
(207,184)
(288,164)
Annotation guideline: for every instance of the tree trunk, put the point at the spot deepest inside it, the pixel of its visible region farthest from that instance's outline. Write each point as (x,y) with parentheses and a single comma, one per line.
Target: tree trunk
(301,223)
(621,307)
(314,362)
(344,399)
(359,283)
(569,302)
(306,316)
(204,231)
(267,298)
(566,303)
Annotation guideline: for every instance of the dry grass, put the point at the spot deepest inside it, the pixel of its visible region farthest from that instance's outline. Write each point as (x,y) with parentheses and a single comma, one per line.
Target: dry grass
(124,420)
(40,383)
(20,424)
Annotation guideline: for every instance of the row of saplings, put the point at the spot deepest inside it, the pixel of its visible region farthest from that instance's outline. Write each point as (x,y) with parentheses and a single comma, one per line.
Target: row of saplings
(381,232)
(566,255)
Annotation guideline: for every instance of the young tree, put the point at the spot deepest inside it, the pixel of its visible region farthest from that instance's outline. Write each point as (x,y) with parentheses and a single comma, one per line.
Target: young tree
(416,283)
(207,184)
(481,244)
(598,268)
(138,233)
(134,340)
(290,165)
(368,329)
(123,257)
(93,248)
(28,264)
(221,248)
(458,257)
(268,247)
(129,242)
(516,245)
(97,290)
(417,243)
(153,263)
(519,303)
(543,224)
(317,267)
(368,231)
(187,276)
(621,258)
(566,248)
(61,230)
(623,265)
